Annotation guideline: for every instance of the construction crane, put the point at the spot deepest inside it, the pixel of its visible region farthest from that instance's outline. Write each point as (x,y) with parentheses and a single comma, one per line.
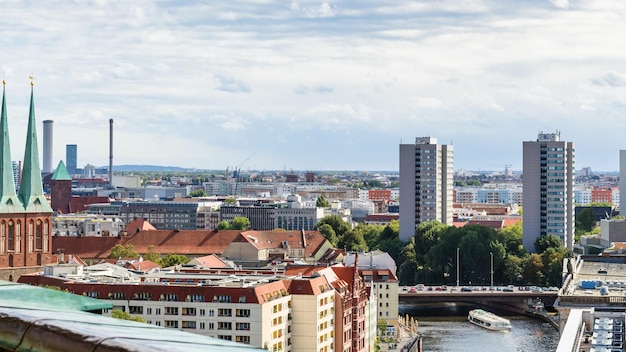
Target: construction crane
(238,171)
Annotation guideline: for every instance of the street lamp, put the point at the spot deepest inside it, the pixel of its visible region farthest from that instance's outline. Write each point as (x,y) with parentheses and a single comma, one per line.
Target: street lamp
(457,266)
(491,254)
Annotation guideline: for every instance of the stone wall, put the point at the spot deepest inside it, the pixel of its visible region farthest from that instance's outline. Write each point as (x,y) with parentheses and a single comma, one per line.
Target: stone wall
(13,274)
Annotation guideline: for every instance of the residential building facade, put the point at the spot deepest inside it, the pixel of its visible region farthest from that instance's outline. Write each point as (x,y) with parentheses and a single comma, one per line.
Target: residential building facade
(426,184)
(548,166)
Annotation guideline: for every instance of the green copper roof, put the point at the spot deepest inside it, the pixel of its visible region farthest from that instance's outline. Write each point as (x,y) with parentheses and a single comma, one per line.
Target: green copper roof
(61,173)
(31,187)
(9,203)
(37,319)
(33,297)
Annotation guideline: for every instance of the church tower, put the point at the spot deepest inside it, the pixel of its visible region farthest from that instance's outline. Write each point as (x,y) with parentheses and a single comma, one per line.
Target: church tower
(25,218)
(61,189)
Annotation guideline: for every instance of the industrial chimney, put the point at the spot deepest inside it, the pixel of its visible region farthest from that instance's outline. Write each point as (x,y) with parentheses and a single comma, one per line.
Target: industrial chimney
(111,153)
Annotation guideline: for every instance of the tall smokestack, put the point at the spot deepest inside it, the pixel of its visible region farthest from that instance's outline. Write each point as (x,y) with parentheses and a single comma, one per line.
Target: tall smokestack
(47,146)
(111,152)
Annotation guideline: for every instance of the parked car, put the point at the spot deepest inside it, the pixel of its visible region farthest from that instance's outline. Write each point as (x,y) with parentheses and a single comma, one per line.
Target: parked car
(466,289)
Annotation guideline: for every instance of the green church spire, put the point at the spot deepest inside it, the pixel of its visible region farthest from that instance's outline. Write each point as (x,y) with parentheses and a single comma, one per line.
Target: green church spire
(9,203)
(61,173)
(31,188)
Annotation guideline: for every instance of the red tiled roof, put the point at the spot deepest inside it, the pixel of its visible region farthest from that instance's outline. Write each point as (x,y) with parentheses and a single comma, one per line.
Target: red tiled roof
(144,265)
(308,286)
(186,242)
(137,225)
(211,261)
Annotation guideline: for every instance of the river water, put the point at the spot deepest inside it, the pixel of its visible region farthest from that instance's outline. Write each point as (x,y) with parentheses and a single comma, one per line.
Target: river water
(445,328)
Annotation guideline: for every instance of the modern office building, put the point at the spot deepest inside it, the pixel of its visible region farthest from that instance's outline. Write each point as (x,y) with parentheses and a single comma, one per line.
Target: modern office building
(426,170)
(71,153)
(548,166)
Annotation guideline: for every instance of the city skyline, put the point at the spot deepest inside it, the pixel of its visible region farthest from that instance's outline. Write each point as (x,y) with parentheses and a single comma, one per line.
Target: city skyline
(317,85)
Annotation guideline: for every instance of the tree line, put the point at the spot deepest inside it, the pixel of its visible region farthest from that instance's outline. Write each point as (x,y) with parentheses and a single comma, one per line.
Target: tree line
(430,257)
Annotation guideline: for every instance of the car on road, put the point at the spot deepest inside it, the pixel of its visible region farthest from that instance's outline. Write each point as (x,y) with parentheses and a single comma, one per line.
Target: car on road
(466,289)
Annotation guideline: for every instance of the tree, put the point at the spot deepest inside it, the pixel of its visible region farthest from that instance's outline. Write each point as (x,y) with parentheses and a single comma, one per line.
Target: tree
(329,234)
(371,234)
(240,223)
(389,241)
(152,255)
(322,202)
(119,251)
(548,241)
(223,225)
(532,271)
(427,234)
(173,259)
(511,237)
(336,222)
(196,193)
(382,326)
(120,314)
(586,220)
(352,241)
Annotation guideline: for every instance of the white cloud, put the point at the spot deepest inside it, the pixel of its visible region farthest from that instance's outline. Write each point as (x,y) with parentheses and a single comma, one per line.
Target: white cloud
(561,4)
(229,83)
(613,79)
(313,69)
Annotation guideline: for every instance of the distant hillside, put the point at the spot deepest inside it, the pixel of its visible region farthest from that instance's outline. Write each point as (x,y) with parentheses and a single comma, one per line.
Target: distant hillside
(147,168)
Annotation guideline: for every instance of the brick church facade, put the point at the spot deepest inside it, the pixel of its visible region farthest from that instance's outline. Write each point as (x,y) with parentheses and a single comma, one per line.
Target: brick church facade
(25,215)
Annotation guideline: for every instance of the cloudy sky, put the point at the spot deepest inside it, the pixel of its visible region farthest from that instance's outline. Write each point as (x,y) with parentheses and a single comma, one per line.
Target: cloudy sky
(317,85)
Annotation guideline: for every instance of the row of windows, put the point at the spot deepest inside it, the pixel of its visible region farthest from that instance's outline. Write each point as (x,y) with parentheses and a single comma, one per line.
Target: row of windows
(11,231)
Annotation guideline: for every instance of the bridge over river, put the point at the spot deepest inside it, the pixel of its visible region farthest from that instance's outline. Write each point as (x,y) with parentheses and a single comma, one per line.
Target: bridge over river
(517,301)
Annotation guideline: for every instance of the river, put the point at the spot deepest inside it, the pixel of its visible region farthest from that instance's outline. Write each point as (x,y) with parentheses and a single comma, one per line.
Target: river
(445,328)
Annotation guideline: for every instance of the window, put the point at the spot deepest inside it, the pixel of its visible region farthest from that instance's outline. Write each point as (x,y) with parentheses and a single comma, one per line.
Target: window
(211,326)
(222,298)
(189,324)
(171,310)
(242,312)
(223,312)
(225,337)
(195,298)
(243,339)
(202,312)
(189,311)
(211,312)
(142,296)
(171,324)
(243,326)
(116,295)
(224,325)
(202,326)
(135,309)
(149,311)
(169,297)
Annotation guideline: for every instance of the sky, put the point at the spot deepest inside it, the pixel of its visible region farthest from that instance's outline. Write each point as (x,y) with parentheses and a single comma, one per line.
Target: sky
(316,85)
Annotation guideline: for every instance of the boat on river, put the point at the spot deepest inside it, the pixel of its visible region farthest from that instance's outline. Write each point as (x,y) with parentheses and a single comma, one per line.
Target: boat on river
(488,320)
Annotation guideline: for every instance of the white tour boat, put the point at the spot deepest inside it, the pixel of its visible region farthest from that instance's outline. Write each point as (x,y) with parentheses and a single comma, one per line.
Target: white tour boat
(488,320)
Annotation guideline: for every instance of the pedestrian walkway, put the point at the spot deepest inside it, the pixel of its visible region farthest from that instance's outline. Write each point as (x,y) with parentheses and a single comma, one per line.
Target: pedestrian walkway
(407,333)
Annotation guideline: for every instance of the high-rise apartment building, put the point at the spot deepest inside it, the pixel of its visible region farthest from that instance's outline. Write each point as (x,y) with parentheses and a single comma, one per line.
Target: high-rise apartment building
(71,152)
(426,184)
(548,167)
